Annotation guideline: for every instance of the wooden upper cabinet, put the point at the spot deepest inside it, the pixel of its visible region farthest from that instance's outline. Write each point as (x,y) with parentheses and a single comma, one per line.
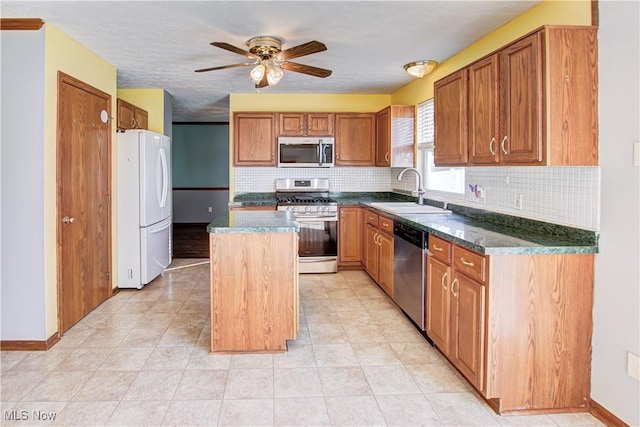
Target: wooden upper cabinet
(254,139)
(395,129)
(521,137)
(484,125)
(305,124)
(450,119)
(355,139)
(533,102)
(572,96)
(383,137)
(130,117)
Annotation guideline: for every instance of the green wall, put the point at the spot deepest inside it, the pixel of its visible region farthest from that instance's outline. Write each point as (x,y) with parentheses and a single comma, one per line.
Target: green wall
(200,155)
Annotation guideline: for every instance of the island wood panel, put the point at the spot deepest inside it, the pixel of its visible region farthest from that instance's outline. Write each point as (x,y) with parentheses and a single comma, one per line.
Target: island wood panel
(539,334)
(253,291)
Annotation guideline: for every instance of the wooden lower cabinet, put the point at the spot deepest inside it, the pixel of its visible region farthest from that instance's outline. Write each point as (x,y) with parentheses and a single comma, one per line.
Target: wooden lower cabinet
(467,328)
(517,327)
(385,267)
(254,291)
(378,250)
(371,253)
(350,237)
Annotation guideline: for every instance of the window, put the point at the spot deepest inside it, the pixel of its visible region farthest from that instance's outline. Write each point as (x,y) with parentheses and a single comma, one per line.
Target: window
(450,180)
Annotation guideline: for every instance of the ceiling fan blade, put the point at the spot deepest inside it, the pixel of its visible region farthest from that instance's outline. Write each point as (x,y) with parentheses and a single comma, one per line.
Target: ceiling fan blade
(301,50)
(231,48)
(306,69)
(222,67)
(263,83)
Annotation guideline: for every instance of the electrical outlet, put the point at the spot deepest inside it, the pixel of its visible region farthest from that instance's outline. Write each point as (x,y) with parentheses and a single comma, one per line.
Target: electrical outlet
(210,209)
(129,274)
(633,365)
(517,202)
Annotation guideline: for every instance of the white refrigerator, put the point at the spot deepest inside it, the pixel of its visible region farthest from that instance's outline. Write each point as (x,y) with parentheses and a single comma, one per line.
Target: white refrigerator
(143,206)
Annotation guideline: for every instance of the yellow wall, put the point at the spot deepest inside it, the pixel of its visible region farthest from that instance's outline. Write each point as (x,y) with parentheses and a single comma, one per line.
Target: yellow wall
(550,12)
(151,100)
(64,54)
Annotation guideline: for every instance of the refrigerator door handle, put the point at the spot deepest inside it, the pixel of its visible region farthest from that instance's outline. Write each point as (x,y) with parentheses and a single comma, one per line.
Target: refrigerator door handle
(165,178)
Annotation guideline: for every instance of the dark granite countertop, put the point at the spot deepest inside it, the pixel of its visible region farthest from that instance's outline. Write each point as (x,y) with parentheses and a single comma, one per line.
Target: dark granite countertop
(482,231)
(254,222)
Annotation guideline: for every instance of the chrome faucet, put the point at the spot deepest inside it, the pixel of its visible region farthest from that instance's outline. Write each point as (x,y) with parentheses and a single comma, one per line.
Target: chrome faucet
(420,189)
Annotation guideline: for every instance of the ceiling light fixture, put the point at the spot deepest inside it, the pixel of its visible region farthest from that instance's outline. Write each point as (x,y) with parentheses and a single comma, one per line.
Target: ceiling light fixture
(420,69)
(272,70)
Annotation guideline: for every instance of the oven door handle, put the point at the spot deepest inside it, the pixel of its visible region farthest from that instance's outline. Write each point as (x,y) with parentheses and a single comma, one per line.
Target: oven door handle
(314,218)
(320,153)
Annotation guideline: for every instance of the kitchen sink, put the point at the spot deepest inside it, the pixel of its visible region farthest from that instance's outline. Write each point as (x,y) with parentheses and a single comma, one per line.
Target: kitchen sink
(408,208)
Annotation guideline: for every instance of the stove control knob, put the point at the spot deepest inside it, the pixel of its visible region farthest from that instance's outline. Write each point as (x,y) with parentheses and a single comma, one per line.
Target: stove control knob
(307,209)
(295,208)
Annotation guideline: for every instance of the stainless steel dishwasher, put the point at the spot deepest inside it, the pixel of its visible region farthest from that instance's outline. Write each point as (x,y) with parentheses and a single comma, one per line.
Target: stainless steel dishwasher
(409,250)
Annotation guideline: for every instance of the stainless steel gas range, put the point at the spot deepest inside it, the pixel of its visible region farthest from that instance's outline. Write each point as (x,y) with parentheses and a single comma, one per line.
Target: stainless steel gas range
(317,215)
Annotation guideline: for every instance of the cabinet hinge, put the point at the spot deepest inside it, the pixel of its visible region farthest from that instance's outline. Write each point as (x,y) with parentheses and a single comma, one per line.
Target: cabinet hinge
(108,275)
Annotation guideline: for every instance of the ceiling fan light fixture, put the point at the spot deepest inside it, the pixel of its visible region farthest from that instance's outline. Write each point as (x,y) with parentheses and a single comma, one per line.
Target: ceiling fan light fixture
(274,75)
(257,73)
(419,69)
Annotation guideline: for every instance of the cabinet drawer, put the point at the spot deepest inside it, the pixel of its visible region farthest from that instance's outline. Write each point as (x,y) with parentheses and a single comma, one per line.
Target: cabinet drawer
(385,224)
(371,218)
(440,249)
(470,263)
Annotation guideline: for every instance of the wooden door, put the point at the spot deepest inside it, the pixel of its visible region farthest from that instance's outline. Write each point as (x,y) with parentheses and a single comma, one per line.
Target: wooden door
(484,90)
(319,124)
(468,321)
(383,137)
(355,139)
(385,267)
(84,227)
(349,238)
(523,101)
(438,301)
(450,119)
(254,137)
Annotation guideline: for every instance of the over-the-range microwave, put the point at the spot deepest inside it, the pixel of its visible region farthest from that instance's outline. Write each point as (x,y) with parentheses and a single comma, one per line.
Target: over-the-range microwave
(306,152)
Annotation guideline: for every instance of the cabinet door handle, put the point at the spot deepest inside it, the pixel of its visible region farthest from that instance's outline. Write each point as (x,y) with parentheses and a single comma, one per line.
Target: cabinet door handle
(444,276)
(386,157)
(504,150)
(371,218)
(453,284)
(341,214)
(491,149)
(437,248)
(469,263)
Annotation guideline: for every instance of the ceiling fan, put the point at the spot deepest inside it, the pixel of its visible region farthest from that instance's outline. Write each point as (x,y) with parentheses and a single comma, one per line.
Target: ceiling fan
(269,59)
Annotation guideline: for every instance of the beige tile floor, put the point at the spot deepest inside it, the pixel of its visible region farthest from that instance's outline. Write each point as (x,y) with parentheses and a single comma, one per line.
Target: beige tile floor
(141,358)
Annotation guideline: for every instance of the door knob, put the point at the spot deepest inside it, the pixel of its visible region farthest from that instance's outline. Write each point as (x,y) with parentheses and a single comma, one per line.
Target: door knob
(68,219)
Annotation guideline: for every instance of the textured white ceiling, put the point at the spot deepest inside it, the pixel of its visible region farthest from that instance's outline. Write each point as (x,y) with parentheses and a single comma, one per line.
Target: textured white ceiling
(159,44)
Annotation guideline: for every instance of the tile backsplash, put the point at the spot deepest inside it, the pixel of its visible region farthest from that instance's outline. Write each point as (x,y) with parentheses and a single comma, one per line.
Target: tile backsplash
(262,180)
(560,195)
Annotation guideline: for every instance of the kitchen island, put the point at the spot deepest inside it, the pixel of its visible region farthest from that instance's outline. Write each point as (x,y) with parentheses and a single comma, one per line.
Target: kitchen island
(254,281)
